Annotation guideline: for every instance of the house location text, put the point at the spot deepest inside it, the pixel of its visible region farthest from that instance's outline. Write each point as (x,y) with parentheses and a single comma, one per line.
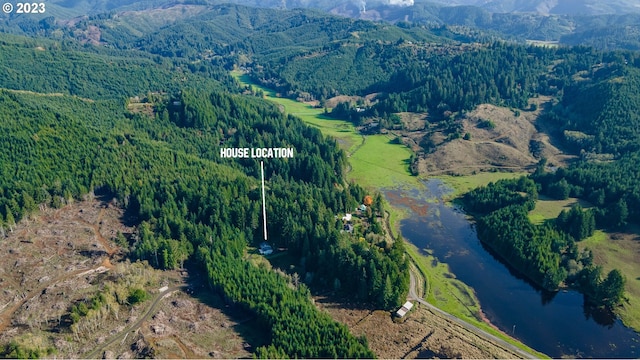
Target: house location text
(256,153)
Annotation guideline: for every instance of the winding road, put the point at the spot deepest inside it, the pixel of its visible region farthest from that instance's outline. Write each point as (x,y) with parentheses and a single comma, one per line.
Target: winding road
(470,327)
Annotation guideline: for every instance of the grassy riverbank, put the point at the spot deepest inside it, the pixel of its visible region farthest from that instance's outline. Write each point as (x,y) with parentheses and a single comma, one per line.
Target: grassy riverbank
(619,250)
(378,164)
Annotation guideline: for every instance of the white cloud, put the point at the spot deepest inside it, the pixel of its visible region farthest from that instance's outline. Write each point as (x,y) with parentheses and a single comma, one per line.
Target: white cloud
(401,2)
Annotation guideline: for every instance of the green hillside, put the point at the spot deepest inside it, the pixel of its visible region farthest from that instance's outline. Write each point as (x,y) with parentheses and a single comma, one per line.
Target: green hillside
(190,205)
(46,66)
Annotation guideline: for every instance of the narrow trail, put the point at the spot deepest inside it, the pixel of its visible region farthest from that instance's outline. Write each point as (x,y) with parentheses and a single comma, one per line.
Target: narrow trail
(95,353)
(364,139)
(96,230)
(480,166)
(188,354)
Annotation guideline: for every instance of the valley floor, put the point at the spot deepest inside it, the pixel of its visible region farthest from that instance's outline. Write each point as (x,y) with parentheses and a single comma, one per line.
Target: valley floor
(378,163)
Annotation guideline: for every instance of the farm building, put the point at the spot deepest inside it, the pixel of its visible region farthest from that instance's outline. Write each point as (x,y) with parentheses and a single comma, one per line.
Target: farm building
(404,309)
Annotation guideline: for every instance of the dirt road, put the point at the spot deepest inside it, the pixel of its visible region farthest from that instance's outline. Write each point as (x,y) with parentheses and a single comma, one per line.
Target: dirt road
(97,352)
(476,330)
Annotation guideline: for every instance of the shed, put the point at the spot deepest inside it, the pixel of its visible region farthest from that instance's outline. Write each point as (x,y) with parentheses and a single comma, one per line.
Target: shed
(404,309)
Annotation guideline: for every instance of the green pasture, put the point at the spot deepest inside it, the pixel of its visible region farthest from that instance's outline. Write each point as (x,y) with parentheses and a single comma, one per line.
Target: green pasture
(342,131)
(466,183)
(620,251)
(378,163)
(548,208)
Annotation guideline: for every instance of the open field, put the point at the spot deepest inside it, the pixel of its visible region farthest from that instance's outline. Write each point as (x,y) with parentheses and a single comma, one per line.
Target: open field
(542,43)
(375,161)
(494,138)
(342,131)
(620,250)
(548,208)
(378,163)
(61,258)
(465,183)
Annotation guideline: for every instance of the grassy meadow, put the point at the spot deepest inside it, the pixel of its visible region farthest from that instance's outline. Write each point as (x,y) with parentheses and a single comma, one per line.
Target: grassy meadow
(548,208)
(466,183)
(380,164)
(375,162)
(342,131)
(620,250)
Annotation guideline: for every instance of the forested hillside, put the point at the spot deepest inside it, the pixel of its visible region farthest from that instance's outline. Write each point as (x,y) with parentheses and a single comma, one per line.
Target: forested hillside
(597,118)
(66,132)
(46,66)
(190,205)
(601,130)
(57,154)
(607,26)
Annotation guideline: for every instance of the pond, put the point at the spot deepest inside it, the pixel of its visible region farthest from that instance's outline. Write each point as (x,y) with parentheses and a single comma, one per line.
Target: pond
(556,324)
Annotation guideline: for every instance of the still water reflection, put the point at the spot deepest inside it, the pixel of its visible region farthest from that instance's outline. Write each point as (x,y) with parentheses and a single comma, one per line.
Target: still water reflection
(556,324)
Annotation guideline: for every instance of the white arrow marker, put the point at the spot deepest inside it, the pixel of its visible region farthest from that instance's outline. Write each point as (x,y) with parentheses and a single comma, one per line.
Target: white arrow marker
(264,208)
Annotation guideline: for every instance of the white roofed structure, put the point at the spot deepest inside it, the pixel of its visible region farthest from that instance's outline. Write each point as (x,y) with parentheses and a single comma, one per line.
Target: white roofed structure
(404,309)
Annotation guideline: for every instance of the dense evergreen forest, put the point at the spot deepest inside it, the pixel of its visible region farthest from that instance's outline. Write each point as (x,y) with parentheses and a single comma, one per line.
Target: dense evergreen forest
(65,67)
(186,206)
(190,204)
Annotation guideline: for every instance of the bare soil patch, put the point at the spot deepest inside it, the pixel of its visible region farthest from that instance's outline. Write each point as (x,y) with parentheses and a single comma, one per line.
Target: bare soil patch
(413,121)
(422,334)
(185,327)
(60,258)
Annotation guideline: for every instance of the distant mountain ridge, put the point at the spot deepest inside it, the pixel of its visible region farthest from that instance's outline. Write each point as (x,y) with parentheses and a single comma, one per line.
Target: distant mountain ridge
(557,7)
(608,25)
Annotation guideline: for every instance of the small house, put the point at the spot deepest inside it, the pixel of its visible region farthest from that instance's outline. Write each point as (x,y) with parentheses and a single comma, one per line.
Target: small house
(265,249)
(404,309)
(347,217)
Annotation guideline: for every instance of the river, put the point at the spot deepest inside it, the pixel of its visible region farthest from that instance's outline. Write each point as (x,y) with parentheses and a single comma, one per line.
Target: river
(556,324)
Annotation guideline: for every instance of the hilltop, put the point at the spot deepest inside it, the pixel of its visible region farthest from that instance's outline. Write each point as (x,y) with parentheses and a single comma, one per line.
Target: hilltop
(497,139)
